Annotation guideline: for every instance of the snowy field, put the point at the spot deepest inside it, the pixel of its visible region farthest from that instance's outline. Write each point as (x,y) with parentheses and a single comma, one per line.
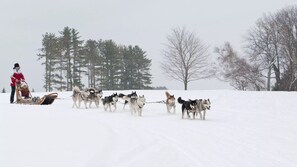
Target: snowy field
(243,129)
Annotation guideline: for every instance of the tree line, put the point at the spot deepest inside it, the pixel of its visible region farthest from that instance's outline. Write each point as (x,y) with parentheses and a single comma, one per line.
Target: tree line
(267,62)
(69,61)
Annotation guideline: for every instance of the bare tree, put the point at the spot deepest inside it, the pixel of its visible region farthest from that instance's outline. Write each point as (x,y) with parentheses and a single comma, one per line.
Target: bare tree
(287,19)
(186,57)
(237,71)
(264,46)
(272,44)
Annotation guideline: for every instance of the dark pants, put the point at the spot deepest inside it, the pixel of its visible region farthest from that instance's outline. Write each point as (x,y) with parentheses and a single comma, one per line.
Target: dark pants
(12,94)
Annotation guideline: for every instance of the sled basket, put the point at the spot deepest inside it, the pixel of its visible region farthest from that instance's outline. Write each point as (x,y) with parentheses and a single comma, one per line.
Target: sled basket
(48,99)
(24,96)
(45,100)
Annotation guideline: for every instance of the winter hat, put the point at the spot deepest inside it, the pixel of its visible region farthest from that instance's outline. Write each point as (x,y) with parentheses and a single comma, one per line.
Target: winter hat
(16,65)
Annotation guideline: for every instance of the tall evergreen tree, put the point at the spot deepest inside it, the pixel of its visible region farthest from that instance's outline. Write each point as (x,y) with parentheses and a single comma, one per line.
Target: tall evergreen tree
(128,68)
(60,69)
(136,68)
(66,50)
(142,68)
(49,52)
(91,60)
(77,58)
(112,65)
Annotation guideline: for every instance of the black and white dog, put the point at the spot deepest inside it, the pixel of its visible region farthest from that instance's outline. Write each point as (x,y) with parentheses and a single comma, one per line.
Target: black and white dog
(188,106)
(109,101)
(132,97)
(94,96)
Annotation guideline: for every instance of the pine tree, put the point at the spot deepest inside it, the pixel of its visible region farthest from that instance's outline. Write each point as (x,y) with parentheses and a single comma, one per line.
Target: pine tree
(49,52)
(128,67)
(112,65)
(143,76)
(136,74)
(77,59)
(60,82)
(66,50)
(91,60)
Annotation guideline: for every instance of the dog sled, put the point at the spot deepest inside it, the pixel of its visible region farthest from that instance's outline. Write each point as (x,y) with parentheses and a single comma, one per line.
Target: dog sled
(24,96)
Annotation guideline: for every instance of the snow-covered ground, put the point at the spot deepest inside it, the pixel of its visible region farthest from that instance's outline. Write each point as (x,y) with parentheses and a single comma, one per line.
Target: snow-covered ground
(243,129)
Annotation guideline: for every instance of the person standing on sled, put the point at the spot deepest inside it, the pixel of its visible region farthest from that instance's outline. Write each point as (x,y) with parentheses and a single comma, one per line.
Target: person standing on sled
(16,79)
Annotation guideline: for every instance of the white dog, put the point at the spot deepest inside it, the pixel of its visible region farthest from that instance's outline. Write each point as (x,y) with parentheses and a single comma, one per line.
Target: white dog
(137,104)
(78,96)
(202,106)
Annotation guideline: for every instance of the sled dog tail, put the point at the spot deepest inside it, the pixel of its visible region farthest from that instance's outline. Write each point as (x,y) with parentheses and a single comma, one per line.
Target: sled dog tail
(167,94)
(180,100)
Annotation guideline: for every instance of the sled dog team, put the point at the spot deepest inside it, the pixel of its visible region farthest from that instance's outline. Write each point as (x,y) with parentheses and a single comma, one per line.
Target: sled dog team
(136,103)
(91,95)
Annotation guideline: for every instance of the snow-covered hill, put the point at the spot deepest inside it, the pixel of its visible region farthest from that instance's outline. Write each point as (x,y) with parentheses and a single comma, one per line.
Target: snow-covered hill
(243,129)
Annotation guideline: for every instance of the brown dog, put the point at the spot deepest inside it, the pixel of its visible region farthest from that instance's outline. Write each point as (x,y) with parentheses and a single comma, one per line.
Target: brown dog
(170,102)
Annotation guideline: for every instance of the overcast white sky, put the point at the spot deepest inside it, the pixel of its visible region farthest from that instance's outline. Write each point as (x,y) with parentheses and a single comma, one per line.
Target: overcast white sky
(129,22)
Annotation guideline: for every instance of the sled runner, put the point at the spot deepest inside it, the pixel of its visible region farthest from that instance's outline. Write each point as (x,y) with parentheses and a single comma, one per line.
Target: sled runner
(24,96)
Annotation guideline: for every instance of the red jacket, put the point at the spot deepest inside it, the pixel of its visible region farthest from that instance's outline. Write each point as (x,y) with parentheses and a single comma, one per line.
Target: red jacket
(16,78)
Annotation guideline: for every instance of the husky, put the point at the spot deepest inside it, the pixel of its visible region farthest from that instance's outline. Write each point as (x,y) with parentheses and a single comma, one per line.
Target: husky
(109,101)
(94,96)
(202,106)
(78,96)
(188,106)
(170,102)
(127,98)
(137,104)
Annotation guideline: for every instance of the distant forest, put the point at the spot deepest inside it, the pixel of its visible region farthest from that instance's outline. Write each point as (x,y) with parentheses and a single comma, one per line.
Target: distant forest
(69,61)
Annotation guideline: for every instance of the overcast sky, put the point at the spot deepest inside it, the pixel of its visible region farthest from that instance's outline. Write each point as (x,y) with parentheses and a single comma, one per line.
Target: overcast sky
(129,22)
